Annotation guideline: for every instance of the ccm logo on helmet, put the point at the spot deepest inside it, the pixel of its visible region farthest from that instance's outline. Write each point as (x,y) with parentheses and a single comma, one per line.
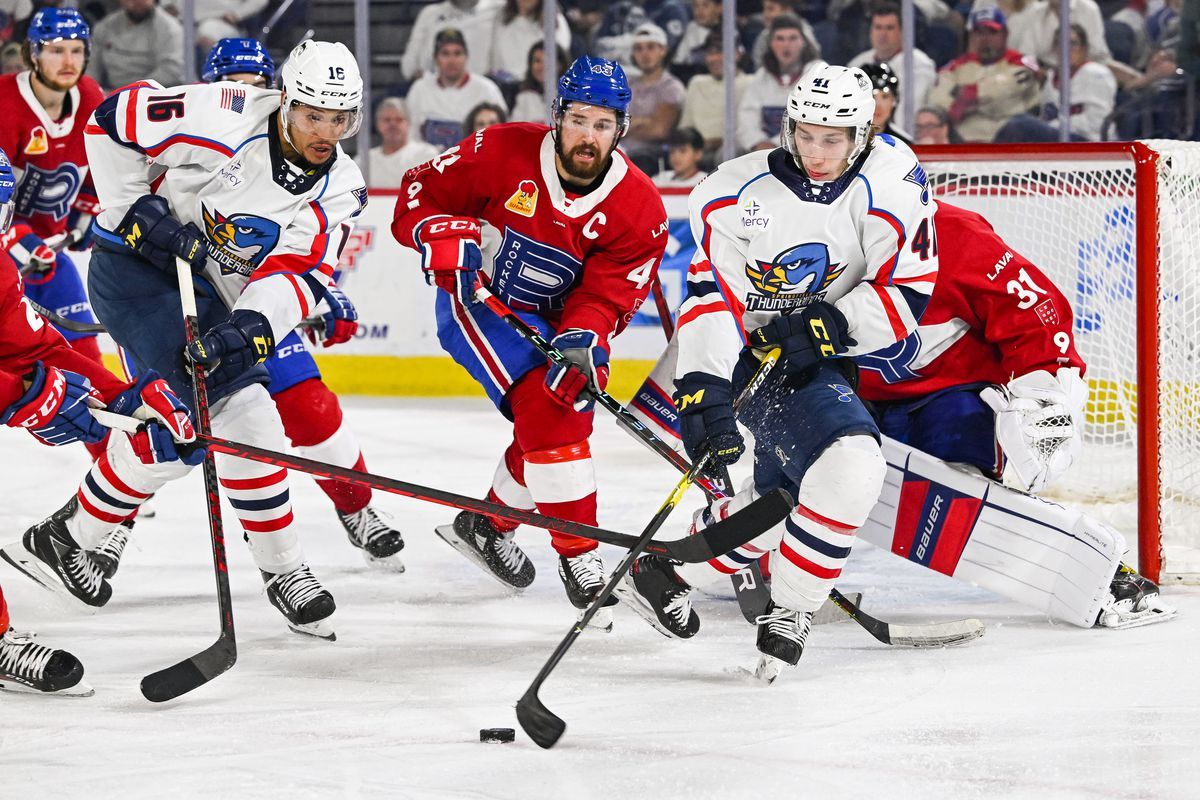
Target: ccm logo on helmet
(335,94)
(814,104)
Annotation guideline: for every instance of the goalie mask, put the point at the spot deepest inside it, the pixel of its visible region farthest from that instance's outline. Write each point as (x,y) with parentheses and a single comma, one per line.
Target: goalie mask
(322,91)
(836,97)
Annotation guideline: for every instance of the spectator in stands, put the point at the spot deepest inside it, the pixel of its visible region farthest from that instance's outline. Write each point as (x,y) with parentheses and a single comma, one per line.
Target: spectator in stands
(1163,24)
(396,152)
(685,150)
(473,18)
(217,19)
(530,105)
(887,42)
(760,114)
(704,106)
(1038,39)
(13,17)
(519,26)
(887,96)
(483,116)
(988,84)
(933,126)
(772,10)
(439,101)
(11,59)
(585,18)
(614,37)
(706,18)
(657,99)
(1125,34)
(135,43)
(1093,93)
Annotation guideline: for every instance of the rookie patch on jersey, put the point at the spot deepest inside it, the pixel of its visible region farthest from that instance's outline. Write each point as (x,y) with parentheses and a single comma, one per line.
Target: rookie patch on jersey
(524,200)
(39,142)
(239,243)
(796,277)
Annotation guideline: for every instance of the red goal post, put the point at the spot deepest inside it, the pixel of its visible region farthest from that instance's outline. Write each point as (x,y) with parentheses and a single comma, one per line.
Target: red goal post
(1116,225)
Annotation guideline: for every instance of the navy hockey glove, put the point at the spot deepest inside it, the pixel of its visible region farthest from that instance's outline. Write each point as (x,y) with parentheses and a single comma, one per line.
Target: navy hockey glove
(150,231)
(806,336)
(56,408)
(233,346)
(166,421)
(450,255)
(337,325)
(572,385)
(706,420)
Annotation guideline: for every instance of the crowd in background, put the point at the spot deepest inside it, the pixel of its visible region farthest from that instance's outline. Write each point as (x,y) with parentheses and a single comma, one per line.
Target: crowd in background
(982,70)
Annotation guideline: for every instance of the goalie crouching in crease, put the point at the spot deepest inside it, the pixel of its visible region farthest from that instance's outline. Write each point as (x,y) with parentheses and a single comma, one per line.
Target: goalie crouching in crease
(979,407)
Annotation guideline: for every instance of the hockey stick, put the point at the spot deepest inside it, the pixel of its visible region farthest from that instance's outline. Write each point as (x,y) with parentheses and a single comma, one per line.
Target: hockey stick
(714,540)
(181,678)
(924,635)
(74,326)
(540,723)
(625,419)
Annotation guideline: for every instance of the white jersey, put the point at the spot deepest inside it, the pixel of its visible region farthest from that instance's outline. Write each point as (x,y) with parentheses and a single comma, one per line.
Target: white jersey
(213,151)
(771,242)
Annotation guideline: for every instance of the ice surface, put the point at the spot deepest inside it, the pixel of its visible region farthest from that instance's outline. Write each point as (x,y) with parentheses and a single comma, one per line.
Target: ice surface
(425,659)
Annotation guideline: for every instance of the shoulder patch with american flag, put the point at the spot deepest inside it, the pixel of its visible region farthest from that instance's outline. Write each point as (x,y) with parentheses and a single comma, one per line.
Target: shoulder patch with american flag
(233,100)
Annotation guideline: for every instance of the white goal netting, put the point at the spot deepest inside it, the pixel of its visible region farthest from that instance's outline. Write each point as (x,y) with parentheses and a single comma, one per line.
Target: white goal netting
(1076,218)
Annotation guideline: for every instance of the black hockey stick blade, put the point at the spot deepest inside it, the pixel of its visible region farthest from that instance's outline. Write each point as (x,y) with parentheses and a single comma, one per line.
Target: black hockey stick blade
(734,531)
(539,723)
(921,635)
(191,673)
(753,594)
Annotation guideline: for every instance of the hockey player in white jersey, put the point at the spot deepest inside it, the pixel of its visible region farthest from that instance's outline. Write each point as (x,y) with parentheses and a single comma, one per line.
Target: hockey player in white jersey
(824,247)
(251,187)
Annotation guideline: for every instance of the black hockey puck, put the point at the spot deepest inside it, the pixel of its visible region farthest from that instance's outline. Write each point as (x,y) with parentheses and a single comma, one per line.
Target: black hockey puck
(503,735)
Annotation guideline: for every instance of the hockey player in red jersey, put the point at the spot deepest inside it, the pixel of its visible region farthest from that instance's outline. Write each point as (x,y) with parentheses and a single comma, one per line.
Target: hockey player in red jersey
(567,232)
(45,110)
(49,389)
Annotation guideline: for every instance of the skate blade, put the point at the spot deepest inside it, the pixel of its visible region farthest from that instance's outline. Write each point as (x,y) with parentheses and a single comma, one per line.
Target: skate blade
(321,629)
(33,568)
(390,563)
(80,689)
(632,599)
(769,668)
(447,534)
(602,620)
(1138,619)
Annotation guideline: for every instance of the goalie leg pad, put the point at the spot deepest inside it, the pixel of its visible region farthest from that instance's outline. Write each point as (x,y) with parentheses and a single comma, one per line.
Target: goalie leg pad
(652,403)
(1025,548)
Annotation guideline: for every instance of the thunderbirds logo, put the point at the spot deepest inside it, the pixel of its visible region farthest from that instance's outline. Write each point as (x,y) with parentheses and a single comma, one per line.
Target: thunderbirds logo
(239,243)
(796,277)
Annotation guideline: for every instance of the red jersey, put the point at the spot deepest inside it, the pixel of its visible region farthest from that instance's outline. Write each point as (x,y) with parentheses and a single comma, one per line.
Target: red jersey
(993,316)
(581,261)
(25,337)
(47,156)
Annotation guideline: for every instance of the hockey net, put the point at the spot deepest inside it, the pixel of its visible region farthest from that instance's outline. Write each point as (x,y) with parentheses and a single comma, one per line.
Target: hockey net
(1117,227)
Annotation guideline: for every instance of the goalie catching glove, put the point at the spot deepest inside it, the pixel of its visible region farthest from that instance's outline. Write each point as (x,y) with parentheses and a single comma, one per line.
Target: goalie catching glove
(450,255)
(573,385)
(806,336)
(706,419)
(1038,422)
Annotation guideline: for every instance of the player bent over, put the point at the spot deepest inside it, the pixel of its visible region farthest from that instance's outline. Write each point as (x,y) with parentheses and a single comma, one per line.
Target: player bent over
(250,188)
(568,233)
(49,389)
(821,247)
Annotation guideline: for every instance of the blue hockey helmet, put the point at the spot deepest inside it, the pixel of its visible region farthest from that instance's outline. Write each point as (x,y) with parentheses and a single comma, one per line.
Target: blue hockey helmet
(596,82)
(233,56)
(8,188)
(53,24)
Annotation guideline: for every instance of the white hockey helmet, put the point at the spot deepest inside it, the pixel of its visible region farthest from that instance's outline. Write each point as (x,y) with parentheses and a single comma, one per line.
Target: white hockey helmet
(323,75)
(839,97)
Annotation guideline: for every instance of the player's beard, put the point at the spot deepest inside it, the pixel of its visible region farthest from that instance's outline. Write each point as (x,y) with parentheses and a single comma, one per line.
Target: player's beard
(54,85)
(578,171)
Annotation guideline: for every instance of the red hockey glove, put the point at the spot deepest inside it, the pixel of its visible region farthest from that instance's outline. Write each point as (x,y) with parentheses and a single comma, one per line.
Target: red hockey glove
(167,421)
(572,384)
(450,255)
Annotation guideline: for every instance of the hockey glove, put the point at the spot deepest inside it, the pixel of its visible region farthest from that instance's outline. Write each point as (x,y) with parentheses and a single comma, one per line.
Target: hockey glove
(706,420)
(337,325)
(806,336)
(572,385)
(34,257)
(167,421)
(450,255)
(56,408)
(150,231)
(233,346)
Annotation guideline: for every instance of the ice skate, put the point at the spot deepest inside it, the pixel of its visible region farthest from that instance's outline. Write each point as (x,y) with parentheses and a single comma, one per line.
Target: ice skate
(303,601)
(107,556)
(583,578)
(781,637)
(495,552)
(660,596)
(49,556)
(379,542)
(1133,601)
(26,666)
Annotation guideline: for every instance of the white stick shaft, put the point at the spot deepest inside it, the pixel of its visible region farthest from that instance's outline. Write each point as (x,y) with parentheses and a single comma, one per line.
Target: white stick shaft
(186,291)
(118,422)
